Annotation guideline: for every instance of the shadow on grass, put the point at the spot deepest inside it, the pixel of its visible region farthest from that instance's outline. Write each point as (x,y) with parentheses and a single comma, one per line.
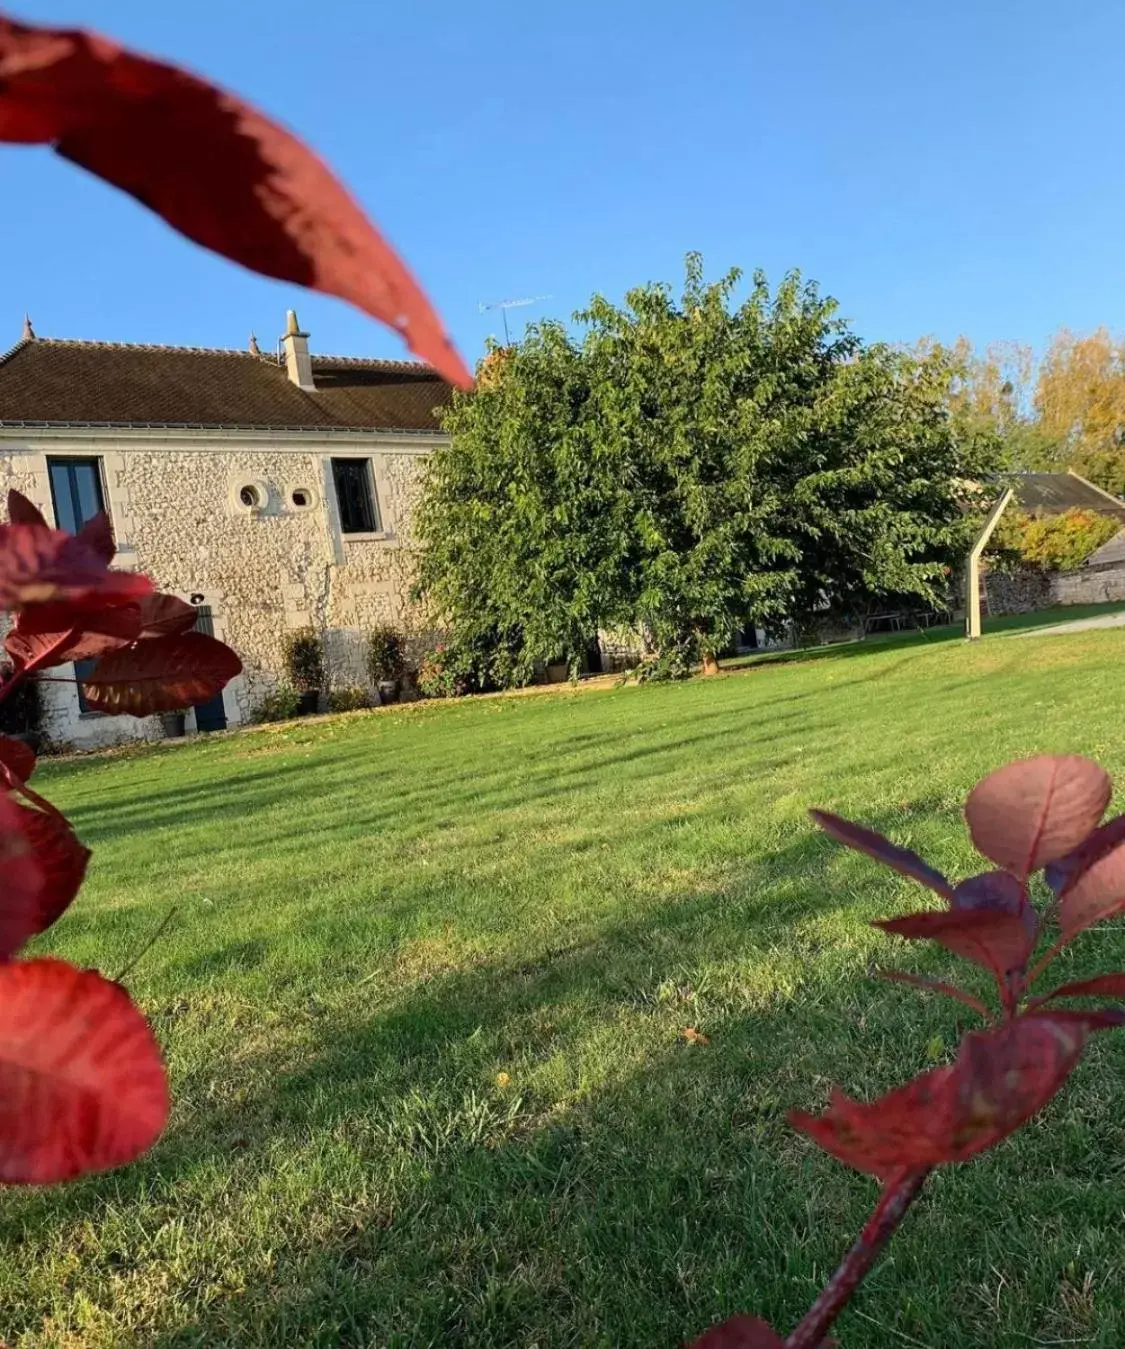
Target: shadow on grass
(459,1212)
(923,639)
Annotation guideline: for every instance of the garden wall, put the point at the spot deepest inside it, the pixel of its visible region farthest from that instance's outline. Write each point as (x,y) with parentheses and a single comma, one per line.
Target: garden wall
(1028,589)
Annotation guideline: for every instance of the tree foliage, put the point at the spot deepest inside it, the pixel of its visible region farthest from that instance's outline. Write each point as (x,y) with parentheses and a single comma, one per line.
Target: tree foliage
(1064,411)
(686,467)
(1052,542)
(1080,402)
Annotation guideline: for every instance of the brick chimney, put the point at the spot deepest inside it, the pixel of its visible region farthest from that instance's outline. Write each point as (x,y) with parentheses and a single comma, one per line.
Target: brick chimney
(298,363)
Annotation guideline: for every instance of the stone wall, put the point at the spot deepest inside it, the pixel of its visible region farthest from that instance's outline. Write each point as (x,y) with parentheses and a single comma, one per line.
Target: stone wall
(1020,591)
(1090,585)
(1028,589)
(176,510)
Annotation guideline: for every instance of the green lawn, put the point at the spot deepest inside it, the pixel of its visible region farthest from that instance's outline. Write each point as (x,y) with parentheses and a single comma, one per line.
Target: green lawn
(423,1004)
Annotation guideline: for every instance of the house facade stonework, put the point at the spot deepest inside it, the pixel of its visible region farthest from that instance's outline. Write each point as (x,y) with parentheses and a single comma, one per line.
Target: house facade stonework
(267,504)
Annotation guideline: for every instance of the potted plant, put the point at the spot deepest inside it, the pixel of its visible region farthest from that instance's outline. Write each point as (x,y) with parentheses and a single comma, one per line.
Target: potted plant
(304,661)
(386,661)
(173,723)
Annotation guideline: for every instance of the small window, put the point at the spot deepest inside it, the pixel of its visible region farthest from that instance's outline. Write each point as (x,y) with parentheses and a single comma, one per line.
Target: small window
(300,499)
(355,496)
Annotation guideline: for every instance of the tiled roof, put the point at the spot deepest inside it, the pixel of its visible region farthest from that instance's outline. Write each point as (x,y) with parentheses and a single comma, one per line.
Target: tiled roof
(48,381)
(1109,554)
(1053,493)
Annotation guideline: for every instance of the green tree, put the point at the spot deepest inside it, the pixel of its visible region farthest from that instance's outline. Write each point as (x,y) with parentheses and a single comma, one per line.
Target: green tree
(521,520)
(687,467)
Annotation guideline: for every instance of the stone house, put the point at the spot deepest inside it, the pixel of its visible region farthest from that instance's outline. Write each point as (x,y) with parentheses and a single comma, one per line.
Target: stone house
(1100,578)
(271,490)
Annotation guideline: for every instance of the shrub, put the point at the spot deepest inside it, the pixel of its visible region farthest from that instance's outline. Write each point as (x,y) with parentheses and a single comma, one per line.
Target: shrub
(279,705)
(674,662)
(304,660)
(351,699)
(1039,816)
(386,655)
(436,677)
(1051,542)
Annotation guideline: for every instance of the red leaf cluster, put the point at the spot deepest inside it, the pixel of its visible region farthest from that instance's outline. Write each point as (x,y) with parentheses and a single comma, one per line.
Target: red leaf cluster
(40,565)
(82,1084)
(1041,813)
(148,659)
(1000,1079)
(214,167)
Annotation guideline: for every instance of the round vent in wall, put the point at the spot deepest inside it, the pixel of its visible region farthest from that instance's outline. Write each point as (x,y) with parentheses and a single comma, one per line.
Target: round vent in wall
(249,496)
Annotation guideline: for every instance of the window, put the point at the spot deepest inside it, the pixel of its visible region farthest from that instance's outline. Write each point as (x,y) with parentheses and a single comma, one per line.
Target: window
(355,496)
(76,492)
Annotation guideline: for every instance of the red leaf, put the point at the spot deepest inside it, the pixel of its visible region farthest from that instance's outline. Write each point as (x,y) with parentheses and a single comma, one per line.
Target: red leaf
(22,512)
(1000,942)
(1029,813)
(867,841)
(1063,873)
(38,565)
(161,675)
(215,168)
(97,535)
(1001,1078)
(21,880)
(1101,986)
(17,757)
(41,629)
(1089,1019)
(1097,894)
(82,1085)
(54,619)
(166,616)
(740,1332)
(62,860)
(996,891)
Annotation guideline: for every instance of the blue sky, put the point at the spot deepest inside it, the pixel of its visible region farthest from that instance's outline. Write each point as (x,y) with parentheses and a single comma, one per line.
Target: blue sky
(939,168)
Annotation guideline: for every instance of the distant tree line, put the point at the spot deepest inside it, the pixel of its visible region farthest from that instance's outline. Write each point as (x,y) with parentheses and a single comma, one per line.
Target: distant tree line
(1065,410)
